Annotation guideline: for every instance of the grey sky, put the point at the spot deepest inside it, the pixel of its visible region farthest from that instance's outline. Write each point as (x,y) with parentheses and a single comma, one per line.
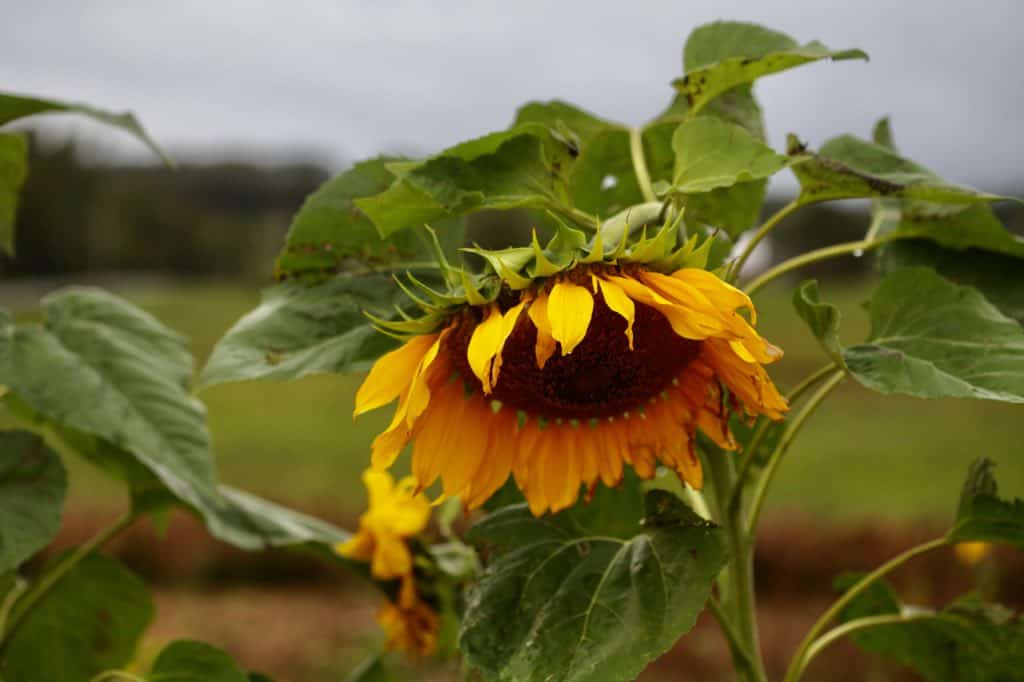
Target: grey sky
(344,80)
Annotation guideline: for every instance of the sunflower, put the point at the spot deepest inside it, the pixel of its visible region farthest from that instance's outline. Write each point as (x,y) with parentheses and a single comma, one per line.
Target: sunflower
(562,365)
(396,512)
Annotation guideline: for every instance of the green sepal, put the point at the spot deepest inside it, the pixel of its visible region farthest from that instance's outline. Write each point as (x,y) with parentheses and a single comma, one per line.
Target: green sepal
(542,265)
(507,264)
(595,250)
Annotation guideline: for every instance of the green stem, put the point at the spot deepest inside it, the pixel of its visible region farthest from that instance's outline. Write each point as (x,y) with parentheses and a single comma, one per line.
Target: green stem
(800,658)
(750,451)
(762,232)
(852,626)
(53,576)
(761,492)
(740,656)
(815,256)
(643,176)
(10,598)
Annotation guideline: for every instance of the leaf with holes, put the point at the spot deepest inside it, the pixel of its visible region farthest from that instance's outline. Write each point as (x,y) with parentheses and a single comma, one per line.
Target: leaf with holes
(848,167)
(33,484)
(931,338)
(727,54)
(572,597)
(982,515)
(90,621)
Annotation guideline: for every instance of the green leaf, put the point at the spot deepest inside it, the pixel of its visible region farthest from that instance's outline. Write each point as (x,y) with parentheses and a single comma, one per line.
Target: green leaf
(982,515)
(298,330)
(931,338)
(524,167)
(994,275)
(822,318)
(14,107)
(727,54)
(91,620)
(711,154)
(13,170)
(565,598)
(848,167)
(99,366)
(190,661)
(956,227)
(33,484)
(329,228)
(967,641)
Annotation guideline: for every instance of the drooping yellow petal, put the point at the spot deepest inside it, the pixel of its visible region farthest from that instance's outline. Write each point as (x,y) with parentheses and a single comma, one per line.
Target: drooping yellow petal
(719,292)
(391,557)
(508,325)
(439,426)
(419,389)
(617,300)
(546,344)
(392,373)
(484,345)
(570,307)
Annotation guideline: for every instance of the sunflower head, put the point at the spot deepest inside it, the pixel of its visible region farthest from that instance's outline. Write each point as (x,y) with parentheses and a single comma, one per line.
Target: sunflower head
(561,365)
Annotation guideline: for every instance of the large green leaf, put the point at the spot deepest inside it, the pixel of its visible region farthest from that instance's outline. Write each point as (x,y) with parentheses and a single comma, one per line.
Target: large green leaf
(967,641)
(998,277)
(329,229)
(299,330)
(727,54)
(112,383)
(954,226)
(848,167)
(931,338)
(13,170)
(711,153)
(14,107)
(822,318)
(524,167)
(33,484)
(982,515)
(190,661)
(91,620)
(99,366)
(571,597)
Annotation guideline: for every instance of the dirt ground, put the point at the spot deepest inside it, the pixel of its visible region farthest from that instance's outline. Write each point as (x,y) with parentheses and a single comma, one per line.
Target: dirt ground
(299,620)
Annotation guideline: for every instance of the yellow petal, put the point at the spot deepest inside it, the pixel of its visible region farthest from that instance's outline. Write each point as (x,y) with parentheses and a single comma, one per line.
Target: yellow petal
(391,558)
(392,373)
(419,390)
(617,300)
(434,437)
(538,312)
(721,293)
(569,309)
(484,345)
(508,325)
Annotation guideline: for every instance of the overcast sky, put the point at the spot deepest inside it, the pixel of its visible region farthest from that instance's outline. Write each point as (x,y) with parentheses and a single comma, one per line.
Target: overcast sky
(341,80)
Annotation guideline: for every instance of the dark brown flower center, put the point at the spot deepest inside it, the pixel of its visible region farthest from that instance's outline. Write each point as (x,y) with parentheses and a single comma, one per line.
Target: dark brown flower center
(601,377)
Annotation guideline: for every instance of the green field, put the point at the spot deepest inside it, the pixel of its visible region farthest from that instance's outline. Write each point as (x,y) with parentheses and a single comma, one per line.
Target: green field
(862,456)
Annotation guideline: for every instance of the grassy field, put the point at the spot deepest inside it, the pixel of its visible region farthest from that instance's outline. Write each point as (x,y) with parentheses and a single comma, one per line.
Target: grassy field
(862,456)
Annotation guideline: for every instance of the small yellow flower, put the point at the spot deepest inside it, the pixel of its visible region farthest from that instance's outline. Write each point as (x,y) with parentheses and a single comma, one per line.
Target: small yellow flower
(395,513)
(564,382)
(972,553)
(410,624)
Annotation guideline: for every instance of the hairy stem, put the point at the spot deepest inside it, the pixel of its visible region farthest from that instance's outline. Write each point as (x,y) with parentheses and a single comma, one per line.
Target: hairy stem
(815,256)
(762,232)
(801,657)
(643,176)
(750,451)
(54,575)
(740,656)
(761,492)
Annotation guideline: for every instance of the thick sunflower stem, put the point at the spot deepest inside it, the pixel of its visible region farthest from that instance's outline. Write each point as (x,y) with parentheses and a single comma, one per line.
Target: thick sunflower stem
(736,585)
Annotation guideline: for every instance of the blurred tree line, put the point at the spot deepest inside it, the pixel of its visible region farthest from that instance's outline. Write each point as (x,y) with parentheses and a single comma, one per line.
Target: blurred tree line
(230,218)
